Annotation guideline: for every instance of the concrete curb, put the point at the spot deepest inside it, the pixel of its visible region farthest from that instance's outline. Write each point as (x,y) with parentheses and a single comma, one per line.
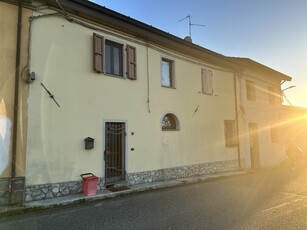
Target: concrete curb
(105,194)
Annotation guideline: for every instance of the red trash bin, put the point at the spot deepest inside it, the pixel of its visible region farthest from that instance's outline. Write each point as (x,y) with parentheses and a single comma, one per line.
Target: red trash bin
(89,184)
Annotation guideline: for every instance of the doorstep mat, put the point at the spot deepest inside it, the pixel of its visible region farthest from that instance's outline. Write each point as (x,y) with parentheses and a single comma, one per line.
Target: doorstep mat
(117,189)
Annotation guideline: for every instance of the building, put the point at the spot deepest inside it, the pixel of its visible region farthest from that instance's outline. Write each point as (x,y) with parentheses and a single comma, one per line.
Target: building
(130,103)
(294,125)
(13,94)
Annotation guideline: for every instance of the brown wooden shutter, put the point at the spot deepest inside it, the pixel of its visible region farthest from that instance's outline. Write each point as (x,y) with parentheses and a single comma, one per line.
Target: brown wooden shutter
(207,81)
(98,52)
(131,62)
(230,133)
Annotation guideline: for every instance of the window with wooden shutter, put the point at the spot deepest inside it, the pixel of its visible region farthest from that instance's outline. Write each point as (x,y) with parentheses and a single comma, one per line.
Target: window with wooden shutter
(113,58)
(131,62)
(230,133)
(207,81)
(250,90)
(98,53)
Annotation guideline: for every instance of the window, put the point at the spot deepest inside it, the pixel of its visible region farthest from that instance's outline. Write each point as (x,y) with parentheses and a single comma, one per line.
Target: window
(230,133)
(250,90)
(207,81)
(167,73)
(114,58)
(169,122)
(108,58)
(272,95)
(274,134)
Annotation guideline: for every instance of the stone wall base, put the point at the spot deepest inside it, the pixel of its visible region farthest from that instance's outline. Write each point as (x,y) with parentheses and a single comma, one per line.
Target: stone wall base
(46,191)
(181,172)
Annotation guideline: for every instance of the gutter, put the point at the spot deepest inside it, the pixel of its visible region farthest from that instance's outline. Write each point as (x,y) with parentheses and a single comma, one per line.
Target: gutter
(103,16)
(237,121)
(16,103)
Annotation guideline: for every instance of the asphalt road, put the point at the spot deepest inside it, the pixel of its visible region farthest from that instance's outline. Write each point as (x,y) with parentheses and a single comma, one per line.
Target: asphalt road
(270,199)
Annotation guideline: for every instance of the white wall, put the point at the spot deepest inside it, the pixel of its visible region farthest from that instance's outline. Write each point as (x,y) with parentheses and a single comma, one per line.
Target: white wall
(265,116)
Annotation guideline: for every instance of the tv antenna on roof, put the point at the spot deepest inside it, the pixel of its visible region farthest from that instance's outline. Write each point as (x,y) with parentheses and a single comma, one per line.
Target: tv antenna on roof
(190,24)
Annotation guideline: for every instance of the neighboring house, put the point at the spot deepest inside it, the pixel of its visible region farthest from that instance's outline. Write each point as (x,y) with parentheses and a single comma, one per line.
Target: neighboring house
(260,114)
(13,122)
(128,102)
(294,125)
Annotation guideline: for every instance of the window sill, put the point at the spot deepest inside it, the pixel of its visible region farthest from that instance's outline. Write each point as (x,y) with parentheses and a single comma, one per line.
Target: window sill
(115,76)
(207,94)
(168,87)
(170,130)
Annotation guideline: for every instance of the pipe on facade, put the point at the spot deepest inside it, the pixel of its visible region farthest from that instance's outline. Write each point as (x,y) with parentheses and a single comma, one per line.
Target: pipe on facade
(148,84)
(237,121)
(16,102)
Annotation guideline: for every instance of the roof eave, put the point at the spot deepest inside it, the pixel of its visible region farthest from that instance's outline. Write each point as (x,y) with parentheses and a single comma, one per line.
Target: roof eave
(117,21)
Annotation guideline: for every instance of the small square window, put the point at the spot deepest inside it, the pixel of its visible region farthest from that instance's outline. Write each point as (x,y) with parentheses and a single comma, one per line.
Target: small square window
(114,58)
(167,73)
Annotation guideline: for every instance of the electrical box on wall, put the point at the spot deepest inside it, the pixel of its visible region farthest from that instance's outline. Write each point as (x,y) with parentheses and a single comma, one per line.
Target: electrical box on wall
(89,143)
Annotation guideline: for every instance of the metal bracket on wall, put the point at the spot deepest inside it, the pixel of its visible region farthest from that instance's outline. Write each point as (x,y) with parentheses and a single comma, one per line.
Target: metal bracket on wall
(50,95)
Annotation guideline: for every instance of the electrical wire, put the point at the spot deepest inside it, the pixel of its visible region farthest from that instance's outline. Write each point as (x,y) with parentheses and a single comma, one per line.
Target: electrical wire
(287,99)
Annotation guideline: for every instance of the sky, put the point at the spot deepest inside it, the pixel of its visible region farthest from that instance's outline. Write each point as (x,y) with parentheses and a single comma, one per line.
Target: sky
(271,32)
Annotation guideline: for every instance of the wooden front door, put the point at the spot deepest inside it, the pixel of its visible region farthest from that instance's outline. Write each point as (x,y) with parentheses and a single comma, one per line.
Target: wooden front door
(254,146)
(114,154)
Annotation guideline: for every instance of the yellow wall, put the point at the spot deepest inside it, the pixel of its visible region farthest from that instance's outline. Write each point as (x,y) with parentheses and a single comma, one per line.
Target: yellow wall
(62,60)
(8,38)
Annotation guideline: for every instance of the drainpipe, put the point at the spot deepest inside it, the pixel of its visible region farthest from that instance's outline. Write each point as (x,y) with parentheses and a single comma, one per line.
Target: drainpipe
(16,97)
(237,121)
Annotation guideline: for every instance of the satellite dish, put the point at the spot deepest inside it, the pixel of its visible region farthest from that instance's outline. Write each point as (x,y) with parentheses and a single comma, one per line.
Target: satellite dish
(188,39)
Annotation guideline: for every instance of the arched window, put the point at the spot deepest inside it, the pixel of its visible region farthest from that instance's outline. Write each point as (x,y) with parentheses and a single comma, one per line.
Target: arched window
(169,122)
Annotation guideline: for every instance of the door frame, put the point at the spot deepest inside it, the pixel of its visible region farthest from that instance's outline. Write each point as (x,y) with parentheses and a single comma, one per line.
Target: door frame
(254,141)
(104,144)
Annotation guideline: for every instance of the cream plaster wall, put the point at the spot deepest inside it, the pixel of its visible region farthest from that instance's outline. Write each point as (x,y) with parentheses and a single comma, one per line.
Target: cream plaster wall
(8,38)
(62,60)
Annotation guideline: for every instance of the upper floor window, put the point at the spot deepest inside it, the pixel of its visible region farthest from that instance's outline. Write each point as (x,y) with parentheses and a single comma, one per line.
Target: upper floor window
(108,58)
(272,95)
(169,122)
(114,58)
(250,90)
(167,73)
(207,81)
